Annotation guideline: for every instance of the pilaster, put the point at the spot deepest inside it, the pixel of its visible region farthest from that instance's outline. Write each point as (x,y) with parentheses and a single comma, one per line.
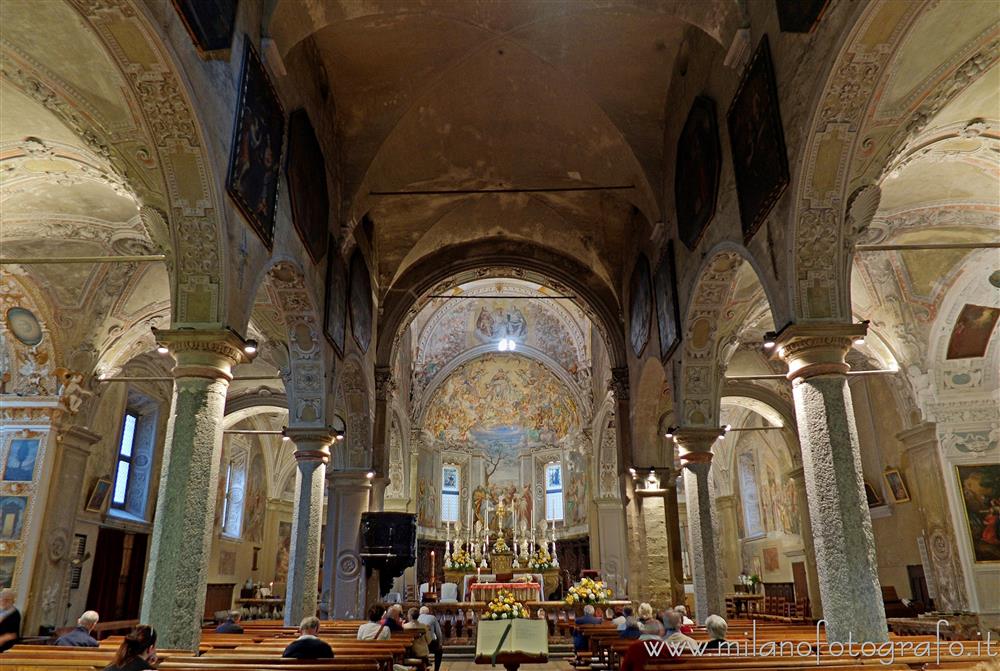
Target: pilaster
(343,572)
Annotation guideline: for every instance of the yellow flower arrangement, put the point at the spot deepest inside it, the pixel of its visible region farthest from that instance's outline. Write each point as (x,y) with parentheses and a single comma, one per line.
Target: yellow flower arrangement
(501,545)
(505,607)
(461,561)
(588,591)
(541,560)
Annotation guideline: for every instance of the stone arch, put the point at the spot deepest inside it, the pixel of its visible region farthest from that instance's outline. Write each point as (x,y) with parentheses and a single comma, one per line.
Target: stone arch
(452,266)
(710,336)
(356,453)
(846,155)
(304,377)
(190,203)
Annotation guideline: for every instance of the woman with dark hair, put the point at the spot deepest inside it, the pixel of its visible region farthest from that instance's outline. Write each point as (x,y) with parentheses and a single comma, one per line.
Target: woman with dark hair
(137,651)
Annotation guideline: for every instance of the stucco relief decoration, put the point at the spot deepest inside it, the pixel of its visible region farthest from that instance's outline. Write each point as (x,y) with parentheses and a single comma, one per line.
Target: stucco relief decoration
(28,369)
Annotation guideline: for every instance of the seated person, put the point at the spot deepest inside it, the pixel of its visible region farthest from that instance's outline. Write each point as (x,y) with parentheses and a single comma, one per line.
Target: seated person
(373,629)
(639,653)
(308,645)
(231,625)
(631,628)
(717,629)
(687,624)
(80,636)
(10,619)
(137,651)
(645,613)
(621,615)
(580,641)
(673,634)
(421,646)
(393,619)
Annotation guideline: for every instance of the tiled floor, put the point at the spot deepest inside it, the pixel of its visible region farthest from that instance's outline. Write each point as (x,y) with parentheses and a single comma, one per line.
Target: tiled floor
(557,665)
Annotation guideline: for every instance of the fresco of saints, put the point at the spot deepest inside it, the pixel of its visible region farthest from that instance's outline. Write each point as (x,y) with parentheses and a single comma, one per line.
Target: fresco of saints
(479,496)
(484,324)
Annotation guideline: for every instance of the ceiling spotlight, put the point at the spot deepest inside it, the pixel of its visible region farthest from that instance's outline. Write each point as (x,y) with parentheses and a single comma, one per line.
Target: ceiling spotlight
(285,438)
(162,349)
(250,347)
(769,339)
(631,472)
(728,428)
(859,340)
(339,435)
(370,475)
(506,345)
(670,432)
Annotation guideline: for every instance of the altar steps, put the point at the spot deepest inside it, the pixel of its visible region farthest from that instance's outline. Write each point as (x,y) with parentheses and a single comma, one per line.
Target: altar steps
(459,652)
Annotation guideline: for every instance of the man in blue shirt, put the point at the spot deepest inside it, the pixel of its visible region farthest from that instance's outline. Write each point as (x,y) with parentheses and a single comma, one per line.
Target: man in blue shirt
(231,625)
(80,636)
(580,641)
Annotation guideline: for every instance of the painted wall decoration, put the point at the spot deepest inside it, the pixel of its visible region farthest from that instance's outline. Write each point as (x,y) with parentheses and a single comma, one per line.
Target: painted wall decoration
(749,495)
(256,500)
(210,23)
(501,400)
(576,492)
(24,326)
(284,548)
(255,160)
(335,315)
(426,503)
(668,315)
(7,565)
(516,497)
(13,511)
(772,561)
(305,171)
(21,457)
(980,486)
(800,16)
(971,335)
(227,562)
(757,140)
(640,305)
(696,180)
(361,301)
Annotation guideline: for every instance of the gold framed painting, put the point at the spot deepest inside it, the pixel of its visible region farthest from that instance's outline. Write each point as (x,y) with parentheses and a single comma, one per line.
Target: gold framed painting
(979,487)
(897,487)
(98,495)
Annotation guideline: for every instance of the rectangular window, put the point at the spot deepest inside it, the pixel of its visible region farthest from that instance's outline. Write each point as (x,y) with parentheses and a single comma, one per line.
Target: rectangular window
(232,504)
(124,467)
(553,492)
(449,493)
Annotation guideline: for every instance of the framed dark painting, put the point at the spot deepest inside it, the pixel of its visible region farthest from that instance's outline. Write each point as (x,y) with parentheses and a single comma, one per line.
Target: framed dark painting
(210,24)
(696,179)
(668,313)
(757,140)
(799,16)
(305,171)
(255,160)
(361,301)
(640,305)
(980,487)
(970,337)
(335,315)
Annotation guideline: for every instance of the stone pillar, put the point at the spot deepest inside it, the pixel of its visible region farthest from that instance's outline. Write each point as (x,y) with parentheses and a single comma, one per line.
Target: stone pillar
(831,462)
(50,580)
(797,476)
(385,390)
(731,561)
(696,457)
(619,386)
(673,521)
(343,573)
(173,597)
(656,551)
(312,454)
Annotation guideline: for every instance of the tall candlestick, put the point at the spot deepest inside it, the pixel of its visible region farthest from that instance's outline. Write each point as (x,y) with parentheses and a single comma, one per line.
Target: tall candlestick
(432,567)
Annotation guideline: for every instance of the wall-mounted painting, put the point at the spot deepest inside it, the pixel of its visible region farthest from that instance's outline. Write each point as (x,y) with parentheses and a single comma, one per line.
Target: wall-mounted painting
(210,24)
(800,16)
(23,324)
(980,485)
(872,495)
(696,180)
(98,495)
(12,514)
(668,314)
(255,160)
(640,306)
(361,301)
(335,316)
(973,328)
(305,171)
(772,561)
(20,465)
(897,488)
(7,565)
(284,548)
(757,140)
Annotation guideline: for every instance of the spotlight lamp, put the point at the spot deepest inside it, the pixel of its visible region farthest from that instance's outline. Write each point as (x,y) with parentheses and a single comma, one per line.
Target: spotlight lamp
(670,432)
(769,339)
(250,347)
(339,427)
(161,348)
(370,475)
(860,340)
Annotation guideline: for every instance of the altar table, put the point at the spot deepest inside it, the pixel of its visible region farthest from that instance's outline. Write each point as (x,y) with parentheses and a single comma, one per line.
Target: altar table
(523,591)
(471,579)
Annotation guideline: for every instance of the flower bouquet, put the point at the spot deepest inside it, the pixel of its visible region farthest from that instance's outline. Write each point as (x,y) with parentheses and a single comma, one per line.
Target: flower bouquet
(461,560)
(504,607)
(541,560)
(588,591)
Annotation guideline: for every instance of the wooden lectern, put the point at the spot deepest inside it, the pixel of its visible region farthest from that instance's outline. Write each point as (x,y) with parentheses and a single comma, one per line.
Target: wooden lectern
(512,642)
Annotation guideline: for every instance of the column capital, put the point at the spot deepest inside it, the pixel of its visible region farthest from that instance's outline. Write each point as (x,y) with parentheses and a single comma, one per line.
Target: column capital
(205,353)
(817,349)
(348,479)
(385,384)
(696,442)
(618,384)
(313,443)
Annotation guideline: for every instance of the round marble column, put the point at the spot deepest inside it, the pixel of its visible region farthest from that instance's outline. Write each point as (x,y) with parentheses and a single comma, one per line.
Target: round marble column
(672,518)
(173,598)
(797,476)
(696,456)
(831,464)
(312,454)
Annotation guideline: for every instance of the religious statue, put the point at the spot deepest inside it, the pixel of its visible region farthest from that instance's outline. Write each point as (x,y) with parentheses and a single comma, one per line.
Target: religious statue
(72,393)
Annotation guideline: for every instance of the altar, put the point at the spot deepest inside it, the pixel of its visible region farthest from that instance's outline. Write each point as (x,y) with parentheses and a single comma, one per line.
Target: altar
(482,592)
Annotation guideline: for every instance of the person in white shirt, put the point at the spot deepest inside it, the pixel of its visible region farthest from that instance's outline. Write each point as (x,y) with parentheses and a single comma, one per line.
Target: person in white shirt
(622,618)
(684,615)
(373,629)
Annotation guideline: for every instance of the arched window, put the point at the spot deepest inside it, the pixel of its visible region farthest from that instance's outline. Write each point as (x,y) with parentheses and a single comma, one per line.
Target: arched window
(553,491)
(450,486)
(232,505)
(750,496)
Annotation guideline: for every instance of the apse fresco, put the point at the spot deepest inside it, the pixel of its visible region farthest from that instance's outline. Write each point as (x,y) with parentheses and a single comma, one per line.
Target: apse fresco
(971,335)
(500,400)
(464,324)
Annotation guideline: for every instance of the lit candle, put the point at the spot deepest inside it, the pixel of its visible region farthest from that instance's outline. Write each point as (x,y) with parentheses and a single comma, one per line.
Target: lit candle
(432,567)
